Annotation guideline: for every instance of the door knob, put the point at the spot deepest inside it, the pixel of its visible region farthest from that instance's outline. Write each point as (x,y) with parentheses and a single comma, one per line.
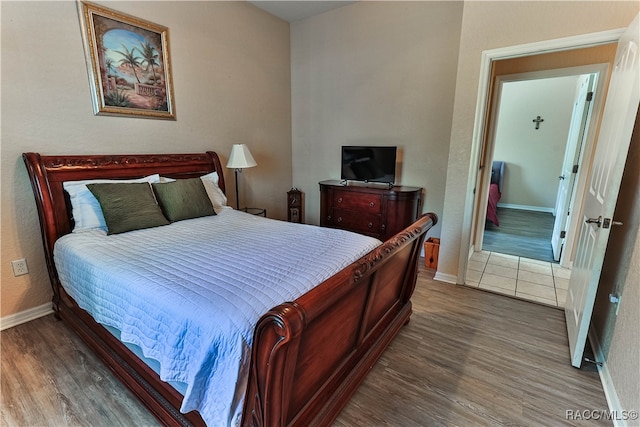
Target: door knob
(596,221)
(561,177)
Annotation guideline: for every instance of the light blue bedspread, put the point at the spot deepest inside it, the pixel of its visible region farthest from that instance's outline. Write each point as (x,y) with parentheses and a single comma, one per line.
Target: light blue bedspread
(189,294)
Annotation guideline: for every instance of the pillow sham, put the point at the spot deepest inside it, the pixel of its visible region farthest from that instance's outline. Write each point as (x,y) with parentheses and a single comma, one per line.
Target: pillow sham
(86,211)
(183,199)
(128,207)
(210,181)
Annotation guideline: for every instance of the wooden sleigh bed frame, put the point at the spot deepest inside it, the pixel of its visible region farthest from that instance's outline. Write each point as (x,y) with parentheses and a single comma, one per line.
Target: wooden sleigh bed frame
(308,355)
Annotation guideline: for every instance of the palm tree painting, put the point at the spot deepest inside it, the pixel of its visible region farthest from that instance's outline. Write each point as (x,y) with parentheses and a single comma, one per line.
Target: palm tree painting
(150,57)
(130,64)
(130,59)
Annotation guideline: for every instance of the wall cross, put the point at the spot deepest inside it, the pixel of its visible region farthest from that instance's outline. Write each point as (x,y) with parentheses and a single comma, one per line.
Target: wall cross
(537,121)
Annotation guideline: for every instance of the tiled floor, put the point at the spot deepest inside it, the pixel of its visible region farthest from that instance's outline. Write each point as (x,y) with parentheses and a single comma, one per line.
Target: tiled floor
(525,278)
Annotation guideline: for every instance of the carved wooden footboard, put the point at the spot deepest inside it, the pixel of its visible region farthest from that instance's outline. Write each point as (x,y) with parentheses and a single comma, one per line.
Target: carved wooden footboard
(308,356)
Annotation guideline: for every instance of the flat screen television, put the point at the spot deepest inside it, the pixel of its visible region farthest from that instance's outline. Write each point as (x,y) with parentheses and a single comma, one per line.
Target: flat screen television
(369,164)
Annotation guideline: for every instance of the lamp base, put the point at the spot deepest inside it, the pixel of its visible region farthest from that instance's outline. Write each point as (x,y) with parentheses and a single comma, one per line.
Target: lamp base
(237,197)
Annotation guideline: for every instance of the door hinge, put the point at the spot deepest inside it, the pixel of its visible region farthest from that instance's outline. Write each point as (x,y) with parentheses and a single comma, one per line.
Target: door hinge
(575,169)
(589,96)
(563,234)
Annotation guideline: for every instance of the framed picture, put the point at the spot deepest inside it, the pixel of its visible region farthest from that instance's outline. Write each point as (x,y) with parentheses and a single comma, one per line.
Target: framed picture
(128,63)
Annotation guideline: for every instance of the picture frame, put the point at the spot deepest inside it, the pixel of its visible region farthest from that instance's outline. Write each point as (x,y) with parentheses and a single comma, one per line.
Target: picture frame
(129,64)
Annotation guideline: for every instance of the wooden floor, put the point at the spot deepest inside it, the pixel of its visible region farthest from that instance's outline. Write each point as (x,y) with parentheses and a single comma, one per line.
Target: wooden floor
(521,233)
(466,358)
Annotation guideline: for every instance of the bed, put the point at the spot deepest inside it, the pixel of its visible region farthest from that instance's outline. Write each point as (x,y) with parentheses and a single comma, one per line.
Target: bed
(307,353)
(495,191)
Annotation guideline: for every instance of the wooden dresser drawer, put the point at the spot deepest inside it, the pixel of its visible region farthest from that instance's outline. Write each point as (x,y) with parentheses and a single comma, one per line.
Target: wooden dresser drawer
(376,211)
(359,222)
(362,202)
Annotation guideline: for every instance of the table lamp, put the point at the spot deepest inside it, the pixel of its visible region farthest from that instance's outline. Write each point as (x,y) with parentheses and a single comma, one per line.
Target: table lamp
(240,158)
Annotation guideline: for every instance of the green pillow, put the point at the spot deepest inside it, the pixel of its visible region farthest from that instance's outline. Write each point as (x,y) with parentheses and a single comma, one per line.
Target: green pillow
(128,207)
(183,199)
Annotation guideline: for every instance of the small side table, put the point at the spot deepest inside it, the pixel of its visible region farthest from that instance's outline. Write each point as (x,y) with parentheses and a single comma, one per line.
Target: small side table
(255,211)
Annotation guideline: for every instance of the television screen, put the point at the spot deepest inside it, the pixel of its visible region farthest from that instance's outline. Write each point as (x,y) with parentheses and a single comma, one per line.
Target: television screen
(369,164)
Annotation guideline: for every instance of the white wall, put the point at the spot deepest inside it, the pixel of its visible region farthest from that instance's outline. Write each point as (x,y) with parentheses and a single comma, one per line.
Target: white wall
(374,73)
(533,157)
(231,75)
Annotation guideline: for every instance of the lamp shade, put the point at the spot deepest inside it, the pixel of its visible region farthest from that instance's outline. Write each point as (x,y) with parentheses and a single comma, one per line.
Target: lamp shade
(240,157)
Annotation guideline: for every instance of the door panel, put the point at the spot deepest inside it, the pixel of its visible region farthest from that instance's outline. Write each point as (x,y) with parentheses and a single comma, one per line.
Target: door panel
(579,122)
(604,184)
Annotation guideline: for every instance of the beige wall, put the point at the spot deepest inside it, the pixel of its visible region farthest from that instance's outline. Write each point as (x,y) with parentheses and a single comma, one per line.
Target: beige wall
(623,351)
(375,73)
(231,76)
(617,333)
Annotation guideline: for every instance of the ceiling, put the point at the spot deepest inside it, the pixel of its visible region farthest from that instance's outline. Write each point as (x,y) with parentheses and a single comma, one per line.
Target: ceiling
(293,10)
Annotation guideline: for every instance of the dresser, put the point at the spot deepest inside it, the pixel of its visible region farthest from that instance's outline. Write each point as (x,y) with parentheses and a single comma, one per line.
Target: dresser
(373,210)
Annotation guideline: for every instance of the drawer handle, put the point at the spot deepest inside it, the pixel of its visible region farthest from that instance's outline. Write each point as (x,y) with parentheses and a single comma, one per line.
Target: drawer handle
(371,204)
(383,227)
(340,200)
(328,218)
(339,219)
(370,225)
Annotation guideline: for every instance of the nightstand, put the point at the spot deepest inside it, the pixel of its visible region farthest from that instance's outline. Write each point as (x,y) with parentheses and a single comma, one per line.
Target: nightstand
(255,211)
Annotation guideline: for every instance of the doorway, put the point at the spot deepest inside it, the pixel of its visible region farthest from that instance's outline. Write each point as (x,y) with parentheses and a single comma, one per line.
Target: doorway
(535,162)
(513,274)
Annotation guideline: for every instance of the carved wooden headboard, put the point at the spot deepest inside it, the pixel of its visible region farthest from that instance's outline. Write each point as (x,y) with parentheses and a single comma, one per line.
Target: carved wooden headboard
(48,173)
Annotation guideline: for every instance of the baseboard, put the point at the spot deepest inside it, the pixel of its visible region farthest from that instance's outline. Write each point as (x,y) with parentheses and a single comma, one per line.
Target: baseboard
(25,316)
(615,409)
(448,278)
(527,208)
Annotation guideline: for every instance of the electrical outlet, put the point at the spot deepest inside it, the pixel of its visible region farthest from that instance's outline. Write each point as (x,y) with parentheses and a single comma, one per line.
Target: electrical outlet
(19,267)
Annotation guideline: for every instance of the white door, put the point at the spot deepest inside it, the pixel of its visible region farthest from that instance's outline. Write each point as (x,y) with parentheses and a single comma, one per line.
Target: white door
(577,132)
(605,176)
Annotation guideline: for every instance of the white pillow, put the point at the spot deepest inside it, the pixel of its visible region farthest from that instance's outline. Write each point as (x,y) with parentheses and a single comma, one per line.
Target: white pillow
(210,182)
(87,213)
(217,197)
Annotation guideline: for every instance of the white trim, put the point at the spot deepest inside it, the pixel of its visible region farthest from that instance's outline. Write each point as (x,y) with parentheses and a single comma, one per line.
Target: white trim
(447,278)
(488,56)
(555,45)
(25,316)
(613,402)
(526,208)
